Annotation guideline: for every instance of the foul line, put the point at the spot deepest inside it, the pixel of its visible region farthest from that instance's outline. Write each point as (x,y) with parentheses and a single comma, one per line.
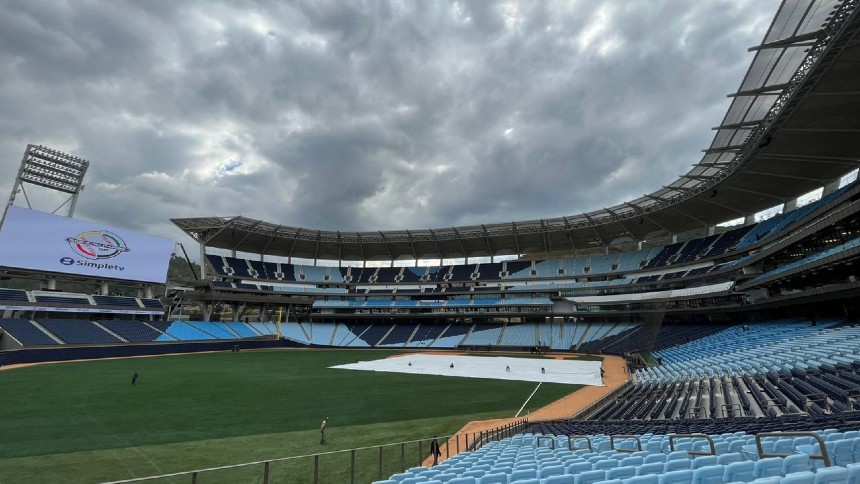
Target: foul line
(527,400)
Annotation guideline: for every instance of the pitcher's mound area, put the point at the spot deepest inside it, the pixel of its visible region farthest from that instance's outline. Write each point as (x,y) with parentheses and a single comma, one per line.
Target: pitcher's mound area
(572,372)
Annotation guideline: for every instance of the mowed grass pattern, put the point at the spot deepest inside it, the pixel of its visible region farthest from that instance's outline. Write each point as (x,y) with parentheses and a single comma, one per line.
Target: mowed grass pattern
(85,422)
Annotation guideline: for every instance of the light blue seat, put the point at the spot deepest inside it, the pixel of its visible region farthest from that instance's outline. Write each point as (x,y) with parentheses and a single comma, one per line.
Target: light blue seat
(387,481)
(795,463)
(843,452)
(621,472)
(474,473)
(533,480)
(445,476)
(549,471)
(783,446)
(736,446)
(578,467)
(831,475)
(676,465)
(769,467)
(739,471)
(677,477)
(400,476)
(727,459)
(854,473)
(494,478)
(678,454)
(461,480)
(704,461)
(767,480)
(644,479)
(562,479)
(606,464)
(611,481)
(589,477)
(649,469)
(655,458)
(634,461)
(414,480)
(520,474)
(709,474)
(804,477)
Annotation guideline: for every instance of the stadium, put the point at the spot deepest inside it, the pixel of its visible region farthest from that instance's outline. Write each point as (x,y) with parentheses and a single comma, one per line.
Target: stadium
(678,337)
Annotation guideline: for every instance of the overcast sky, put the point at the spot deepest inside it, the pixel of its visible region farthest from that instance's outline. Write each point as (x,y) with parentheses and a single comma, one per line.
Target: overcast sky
(345,116)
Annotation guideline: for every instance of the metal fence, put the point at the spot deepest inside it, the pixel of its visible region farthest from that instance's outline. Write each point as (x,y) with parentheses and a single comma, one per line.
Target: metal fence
(355,466)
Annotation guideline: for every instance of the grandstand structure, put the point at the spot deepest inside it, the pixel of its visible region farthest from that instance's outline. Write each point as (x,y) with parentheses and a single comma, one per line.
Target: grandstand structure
(746,329)
(622,270)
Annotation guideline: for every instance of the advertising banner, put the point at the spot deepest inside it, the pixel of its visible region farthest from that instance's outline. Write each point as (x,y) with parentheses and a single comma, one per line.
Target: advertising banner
(44,242)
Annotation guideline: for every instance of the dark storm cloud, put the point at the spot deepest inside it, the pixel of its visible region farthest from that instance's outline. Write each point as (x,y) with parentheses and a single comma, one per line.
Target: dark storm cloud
(369,116)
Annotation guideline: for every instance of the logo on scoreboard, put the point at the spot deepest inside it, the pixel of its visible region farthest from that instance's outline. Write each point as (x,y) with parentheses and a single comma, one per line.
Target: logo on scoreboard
(98,244)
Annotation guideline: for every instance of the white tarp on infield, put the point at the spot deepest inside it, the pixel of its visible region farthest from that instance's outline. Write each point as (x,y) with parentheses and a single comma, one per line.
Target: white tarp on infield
(572,372)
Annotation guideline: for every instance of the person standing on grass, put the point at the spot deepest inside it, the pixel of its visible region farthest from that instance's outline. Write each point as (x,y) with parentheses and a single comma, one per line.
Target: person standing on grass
(322,431)
(434,449)
(134,377)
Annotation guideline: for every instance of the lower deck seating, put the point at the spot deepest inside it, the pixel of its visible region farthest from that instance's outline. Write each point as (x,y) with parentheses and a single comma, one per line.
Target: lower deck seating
(546,455)
(134,331)
(78,331)
(25,332)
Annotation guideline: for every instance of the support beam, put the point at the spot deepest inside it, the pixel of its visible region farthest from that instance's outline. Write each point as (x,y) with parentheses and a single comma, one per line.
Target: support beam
(460,241)
(387,247)
(751,192)
(801,40)
(594,229)
(569,230)
(832,160)
(780,175)
(741,125)
(436,243)
(516,238)
(247,234)
(730,209)
(723,149)
(772,90)
(487,240)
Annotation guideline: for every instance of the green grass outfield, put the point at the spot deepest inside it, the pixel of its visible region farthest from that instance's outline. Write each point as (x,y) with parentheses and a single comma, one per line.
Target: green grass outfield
(84,421)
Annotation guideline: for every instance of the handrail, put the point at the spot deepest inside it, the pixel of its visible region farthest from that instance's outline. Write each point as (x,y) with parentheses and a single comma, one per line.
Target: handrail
(731,406)
(571,438)
(625,437)
(693,436)
(825,454)
(694,412)
(602,402)
(544,437)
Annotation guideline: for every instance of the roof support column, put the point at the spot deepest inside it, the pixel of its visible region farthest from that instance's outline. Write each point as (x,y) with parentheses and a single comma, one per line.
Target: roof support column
(202,261)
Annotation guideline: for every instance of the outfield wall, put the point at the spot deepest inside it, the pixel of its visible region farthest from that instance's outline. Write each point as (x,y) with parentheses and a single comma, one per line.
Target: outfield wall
(67,353)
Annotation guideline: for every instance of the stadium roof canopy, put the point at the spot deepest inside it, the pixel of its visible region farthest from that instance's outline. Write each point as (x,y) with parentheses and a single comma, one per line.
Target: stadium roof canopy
(792,127)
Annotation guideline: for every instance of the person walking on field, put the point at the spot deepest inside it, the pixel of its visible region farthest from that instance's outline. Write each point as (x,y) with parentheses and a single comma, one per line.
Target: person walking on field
(322,430)
(434,449)
(134,377)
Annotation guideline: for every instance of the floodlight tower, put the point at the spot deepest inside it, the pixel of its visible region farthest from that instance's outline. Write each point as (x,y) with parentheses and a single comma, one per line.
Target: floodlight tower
(51,169)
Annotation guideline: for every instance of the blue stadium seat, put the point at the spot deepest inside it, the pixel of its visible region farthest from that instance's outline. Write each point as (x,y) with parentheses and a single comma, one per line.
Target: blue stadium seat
(739,471)
(831,475)
(677,477)
(769,467)
(712,474)
(804,477)
(589,477)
